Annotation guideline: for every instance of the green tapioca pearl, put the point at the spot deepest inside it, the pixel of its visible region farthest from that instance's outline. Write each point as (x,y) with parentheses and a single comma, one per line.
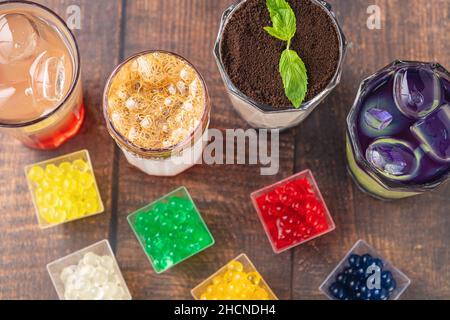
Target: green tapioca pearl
(173,230)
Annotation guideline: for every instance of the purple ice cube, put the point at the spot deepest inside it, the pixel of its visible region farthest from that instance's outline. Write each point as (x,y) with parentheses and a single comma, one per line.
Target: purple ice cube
(417,91)
(393,158)
(378,119)
(433,133)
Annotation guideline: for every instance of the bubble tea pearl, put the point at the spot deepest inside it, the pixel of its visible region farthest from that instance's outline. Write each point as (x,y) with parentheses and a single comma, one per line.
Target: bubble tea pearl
(235,284)
(94,278)
(65,192)
(171,232)
(292,214)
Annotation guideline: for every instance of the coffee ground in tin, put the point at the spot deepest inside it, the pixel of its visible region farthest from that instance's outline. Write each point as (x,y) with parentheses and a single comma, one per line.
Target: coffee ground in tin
(251,56)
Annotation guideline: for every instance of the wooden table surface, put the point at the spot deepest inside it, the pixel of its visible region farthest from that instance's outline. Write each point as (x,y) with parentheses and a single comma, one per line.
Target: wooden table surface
(414,233)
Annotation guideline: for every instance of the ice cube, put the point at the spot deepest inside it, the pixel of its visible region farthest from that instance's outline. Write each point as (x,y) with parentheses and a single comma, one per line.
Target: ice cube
(393,158)
(417,91)
(433,133)
(378,119)
(48,76)
(18,37)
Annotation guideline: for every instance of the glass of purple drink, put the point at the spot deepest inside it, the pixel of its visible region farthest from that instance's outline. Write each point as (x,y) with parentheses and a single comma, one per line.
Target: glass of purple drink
(398,130)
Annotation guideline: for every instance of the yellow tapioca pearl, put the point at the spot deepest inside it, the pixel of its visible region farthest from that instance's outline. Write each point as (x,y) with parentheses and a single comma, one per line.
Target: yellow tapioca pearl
(261,294)
(45,184)
(39,196)
(235,266)
(36,174)
(238,276)
(52,170)
(51,200)
(52,216)
(86,180)
(80,165)
(254,278)
(217,280)
(65,167)
(91,206)
(228,276)
(82,209)
(90,193)
(73,174)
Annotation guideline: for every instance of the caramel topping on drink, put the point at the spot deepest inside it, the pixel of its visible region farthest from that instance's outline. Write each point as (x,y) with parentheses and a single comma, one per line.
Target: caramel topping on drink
(156,101)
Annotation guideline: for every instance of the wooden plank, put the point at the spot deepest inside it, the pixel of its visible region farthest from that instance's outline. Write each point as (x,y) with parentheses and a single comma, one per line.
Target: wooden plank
(189,27)
(412,233)
(24,248)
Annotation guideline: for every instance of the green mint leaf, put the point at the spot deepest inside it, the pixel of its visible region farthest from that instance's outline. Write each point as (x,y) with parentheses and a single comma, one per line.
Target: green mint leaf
(284,22)
(294,76)
(275,33)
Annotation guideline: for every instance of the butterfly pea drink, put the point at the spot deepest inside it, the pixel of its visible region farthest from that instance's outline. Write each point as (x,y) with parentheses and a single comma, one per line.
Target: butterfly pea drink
(398,138)
(40,91)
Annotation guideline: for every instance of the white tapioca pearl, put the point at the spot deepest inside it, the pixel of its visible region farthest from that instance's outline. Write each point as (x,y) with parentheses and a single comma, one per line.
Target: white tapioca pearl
(131,104)
(132,134)
(172,90)
(168,102)
(181,87)
(193,88)
(145,123)
(184,74)
(187,106)
(122,94)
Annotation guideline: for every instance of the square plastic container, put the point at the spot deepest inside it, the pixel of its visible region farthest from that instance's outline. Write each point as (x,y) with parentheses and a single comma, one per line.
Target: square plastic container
(360,248)
(101,248)
(68,200)
(170,230)
(198,291)
(327,223)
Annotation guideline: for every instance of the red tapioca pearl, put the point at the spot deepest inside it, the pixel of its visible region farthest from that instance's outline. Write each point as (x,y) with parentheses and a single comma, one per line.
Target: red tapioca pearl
(275,211)
(297,206)
(312,221)
(292,190)
(285,199)
(272,197)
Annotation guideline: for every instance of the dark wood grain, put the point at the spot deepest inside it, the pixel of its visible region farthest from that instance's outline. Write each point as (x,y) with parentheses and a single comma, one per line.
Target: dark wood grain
(24,248)
(414,233)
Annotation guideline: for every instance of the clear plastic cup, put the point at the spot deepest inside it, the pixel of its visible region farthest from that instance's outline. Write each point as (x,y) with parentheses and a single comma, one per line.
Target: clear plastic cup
(261,116)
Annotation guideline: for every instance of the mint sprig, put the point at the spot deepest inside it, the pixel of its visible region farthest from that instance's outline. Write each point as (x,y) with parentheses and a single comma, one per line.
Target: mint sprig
(292,69)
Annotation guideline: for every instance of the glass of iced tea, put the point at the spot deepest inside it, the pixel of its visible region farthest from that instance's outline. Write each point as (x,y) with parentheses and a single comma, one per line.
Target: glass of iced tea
(41,101)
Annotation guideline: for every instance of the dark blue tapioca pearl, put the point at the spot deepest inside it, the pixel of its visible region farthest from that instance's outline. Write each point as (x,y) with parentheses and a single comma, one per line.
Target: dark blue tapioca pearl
(341,278)
(338,291)
(349,271)
(366,295)
(376,294)
(354,261)
(360,273)
(392,286)
(386,278)
(353,284)
(384,294)
(366,260)
(358,296)
(378,262)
